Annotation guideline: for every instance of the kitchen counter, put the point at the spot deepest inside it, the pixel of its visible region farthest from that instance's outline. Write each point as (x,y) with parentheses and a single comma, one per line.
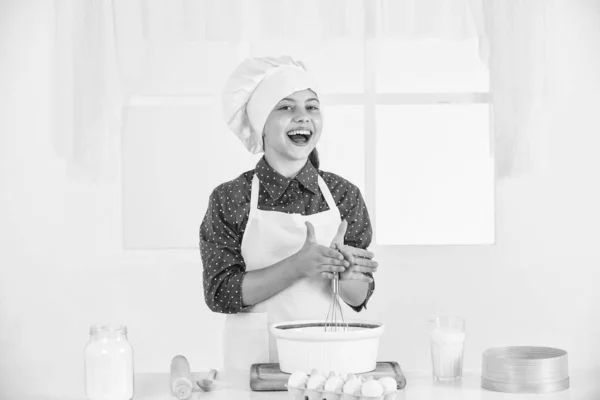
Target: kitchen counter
(420,386)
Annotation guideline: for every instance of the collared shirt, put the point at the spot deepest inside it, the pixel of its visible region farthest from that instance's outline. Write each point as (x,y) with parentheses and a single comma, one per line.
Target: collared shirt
(223,225)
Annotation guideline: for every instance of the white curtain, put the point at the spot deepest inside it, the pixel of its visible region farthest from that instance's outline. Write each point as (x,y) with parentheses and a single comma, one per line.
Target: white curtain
(88,94)
(104,54)
(514,39)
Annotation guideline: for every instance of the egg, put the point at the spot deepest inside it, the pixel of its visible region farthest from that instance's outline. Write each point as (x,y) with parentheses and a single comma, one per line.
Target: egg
(334,384)
(316,380)
(372,388)
(388,383)
(314,372)
(350,376)
(353,386)
(298,379)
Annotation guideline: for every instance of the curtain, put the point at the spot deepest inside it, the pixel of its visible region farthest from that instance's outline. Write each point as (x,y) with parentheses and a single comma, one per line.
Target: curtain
(87,96)
(514,44)
(104,53)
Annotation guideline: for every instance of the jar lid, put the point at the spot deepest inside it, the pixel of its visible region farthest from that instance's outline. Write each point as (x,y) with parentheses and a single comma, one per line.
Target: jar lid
(104,328)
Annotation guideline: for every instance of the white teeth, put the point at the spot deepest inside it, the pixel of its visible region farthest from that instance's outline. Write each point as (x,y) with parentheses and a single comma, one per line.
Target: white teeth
(299,132)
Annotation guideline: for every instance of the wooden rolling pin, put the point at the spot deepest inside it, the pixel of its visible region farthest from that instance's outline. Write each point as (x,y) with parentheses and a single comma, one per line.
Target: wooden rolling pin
(181,378)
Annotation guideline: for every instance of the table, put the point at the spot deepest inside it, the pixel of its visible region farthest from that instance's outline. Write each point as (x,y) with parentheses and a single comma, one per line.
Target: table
(420,386)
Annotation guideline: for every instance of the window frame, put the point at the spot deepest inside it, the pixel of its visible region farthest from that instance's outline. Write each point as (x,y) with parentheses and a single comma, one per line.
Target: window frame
(369,99)
(372,99)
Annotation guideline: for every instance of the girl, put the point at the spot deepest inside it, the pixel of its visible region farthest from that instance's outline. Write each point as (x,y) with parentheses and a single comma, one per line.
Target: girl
(272,238)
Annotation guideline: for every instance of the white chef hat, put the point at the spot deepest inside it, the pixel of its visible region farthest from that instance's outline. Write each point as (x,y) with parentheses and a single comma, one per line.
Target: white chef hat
(253,90)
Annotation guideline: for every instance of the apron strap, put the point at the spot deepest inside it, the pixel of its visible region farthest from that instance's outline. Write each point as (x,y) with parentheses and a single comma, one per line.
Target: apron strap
(254,194)
(326,193)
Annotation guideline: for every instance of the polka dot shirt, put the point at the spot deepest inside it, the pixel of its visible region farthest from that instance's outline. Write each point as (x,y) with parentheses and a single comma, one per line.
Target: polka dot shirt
(223,225)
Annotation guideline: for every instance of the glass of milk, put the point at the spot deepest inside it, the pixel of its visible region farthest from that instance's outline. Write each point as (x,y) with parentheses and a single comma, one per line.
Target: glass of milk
(447,336)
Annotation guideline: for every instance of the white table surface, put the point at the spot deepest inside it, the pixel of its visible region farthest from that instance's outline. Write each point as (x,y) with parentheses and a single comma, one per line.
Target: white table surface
(420,386)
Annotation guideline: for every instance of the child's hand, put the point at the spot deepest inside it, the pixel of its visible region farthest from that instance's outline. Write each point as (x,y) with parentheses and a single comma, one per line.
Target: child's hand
(360,260)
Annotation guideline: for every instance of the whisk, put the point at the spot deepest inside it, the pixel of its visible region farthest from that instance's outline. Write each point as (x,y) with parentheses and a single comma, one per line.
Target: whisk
(334,322)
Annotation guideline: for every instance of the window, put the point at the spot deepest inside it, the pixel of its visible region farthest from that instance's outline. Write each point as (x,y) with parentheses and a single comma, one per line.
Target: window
(433,164)
(406,120)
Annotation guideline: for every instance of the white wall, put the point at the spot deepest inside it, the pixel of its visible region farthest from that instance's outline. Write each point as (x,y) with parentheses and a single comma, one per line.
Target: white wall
(60,270)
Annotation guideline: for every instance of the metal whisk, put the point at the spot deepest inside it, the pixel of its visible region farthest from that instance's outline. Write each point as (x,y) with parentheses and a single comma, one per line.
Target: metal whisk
(334,322)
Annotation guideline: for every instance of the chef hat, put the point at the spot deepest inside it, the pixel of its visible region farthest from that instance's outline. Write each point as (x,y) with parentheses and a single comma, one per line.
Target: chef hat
(253,90)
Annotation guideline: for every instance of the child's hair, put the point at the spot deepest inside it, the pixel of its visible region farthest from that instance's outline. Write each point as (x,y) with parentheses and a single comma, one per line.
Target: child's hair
(314,158)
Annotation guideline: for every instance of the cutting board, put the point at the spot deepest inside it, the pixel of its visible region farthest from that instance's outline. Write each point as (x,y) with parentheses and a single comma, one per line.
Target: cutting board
(268,377)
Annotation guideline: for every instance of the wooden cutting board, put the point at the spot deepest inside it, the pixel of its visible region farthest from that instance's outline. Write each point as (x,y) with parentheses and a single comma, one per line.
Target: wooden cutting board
(268,377)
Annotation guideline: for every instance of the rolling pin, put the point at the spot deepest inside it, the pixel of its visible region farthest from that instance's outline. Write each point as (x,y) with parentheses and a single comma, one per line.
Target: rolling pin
(181,378)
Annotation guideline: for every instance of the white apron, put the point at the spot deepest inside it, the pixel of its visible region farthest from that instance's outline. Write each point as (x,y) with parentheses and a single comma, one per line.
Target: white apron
(270,237)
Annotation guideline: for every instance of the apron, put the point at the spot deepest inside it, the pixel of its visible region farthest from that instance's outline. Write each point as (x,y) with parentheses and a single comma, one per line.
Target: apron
(270,237)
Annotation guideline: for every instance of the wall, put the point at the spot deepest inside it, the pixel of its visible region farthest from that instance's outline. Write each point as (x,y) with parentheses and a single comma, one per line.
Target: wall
(59,271)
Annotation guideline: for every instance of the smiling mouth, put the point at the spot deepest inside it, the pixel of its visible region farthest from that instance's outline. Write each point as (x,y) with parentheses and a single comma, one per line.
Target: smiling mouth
(300,136)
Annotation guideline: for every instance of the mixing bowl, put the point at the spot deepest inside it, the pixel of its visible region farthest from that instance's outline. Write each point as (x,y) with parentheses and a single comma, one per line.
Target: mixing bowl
(304,346)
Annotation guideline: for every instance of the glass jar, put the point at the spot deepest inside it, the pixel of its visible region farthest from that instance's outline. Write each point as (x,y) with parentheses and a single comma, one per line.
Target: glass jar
(108,364)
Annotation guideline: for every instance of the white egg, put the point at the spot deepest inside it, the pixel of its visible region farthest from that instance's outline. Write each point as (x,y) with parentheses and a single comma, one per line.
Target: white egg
(314,372)
(298,379)
(350,376)
(334,384)
(316,381)
(372,388)
(353,386)
(389,384)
